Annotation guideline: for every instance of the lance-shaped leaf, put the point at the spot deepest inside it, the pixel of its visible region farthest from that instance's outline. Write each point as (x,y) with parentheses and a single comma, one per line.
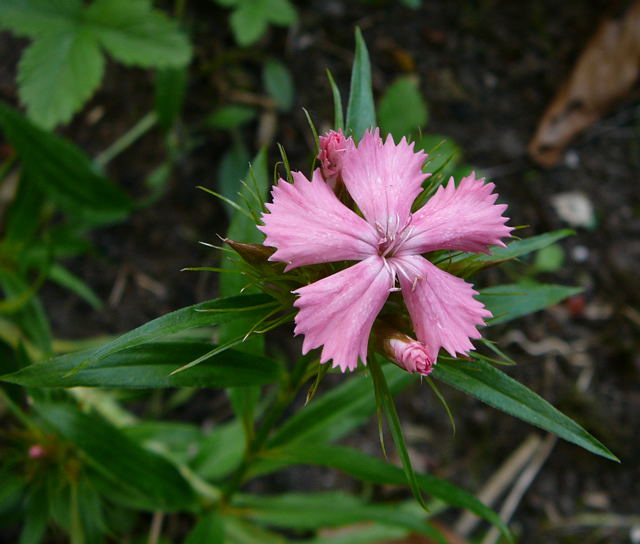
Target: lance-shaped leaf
(485,382)
(151,365)
(507,302)
(375,470)
(361,113)
(151,478)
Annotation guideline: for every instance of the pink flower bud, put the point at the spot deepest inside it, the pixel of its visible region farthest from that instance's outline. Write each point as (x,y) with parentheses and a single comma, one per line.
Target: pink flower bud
(36,451)
(409,354)
(333,146)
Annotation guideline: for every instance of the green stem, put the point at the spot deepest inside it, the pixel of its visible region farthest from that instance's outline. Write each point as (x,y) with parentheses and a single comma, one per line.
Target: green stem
(127,139)
(284,397)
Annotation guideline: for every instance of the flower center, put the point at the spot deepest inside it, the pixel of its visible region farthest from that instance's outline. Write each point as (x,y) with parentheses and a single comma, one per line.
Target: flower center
(392,236)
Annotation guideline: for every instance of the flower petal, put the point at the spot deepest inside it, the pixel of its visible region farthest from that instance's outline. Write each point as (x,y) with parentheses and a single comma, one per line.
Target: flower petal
(307,224)
(384,180)
(442,307)
(465,218)
(337,312)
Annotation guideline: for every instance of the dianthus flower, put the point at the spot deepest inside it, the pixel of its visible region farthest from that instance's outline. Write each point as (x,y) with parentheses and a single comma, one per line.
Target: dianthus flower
(308,224)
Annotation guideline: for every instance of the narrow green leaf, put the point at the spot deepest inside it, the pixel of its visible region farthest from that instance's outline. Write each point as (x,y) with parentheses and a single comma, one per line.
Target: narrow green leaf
(23,217)
(338,117)
(326,509)
(220,452)
(334,414)
(361,113)
(73,283)
(146,474)
(375,470)
(134,33)
(170,87)
(402,110)
(490,385)
(36,516)
(384,398)
(208,313)
(507,302)
(444,153)
(208,530)
(63,172)
(57,74)
(151,365)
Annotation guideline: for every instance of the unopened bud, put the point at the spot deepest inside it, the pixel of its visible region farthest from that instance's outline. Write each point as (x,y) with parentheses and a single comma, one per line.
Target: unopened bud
(36,451)
(333,146)
(404,351)
(254,254)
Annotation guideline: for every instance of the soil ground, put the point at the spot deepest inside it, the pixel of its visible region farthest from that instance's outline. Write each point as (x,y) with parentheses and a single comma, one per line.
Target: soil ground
(487,71)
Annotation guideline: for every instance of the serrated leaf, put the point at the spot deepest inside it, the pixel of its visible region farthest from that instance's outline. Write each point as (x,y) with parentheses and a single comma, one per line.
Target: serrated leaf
(402,110)
(134,33)
(279,83)
(148,475)
(151,365)
(36,17)
(63,172)
(361,113)
(492,386)
(507,302)
(57,74)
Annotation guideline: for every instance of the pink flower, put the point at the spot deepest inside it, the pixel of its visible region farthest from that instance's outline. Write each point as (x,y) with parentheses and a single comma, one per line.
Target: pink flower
(409,354)
(307,224)
(333,146)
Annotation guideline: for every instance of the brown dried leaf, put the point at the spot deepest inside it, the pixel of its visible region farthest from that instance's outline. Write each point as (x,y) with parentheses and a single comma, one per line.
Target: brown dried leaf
(604,73)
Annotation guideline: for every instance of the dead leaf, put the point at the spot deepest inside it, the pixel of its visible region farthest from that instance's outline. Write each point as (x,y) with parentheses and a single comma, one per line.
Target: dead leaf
(604,73)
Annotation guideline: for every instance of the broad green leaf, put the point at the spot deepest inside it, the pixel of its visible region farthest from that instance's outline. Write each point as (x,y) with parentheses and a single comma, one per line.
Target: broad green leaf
(179,438)
(485,382)
(231,117)
(549,259)
(148,475)
(248,22)
(279,83)
(34,18)
(63,172)
(325,509)
(361,113)
(507,302)
(151,365)
(135,33)
(338,411)
(208,530)
(377,471)
(57,74)
(384,401)
(281,12)
(170,87)
(402,110)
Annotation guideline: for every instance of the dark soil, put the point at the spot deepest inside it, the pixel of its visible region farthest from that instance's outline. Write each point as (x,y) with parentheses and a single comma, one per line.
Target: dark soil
(487,70)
